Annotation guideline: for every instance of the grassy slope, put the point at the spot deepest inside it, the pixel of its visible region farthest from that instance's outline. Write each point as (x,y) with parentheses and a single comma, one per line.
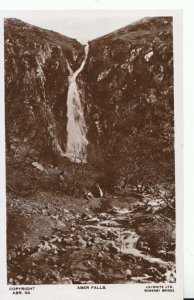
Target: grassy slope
(15,28)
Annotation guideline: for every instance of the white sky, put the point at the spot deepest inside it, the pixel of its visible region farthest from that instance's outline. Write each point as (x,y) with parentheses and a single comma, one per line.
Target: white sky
(83,25)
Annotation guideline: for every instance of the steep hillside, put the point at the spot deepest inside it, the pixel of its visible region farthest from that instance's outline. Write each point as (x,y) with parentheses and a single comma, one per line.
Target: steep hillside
(36,84)
(129,73)
(127,88)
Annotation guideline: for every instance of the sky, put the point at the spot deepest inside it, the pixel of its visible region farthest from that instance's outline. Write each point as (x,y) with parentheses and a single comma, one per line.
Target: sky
(82,25)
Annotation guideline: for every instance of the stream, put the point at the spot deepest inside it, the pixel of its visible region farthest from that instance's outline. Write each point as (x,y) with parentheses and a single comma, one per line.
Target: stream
(91,247)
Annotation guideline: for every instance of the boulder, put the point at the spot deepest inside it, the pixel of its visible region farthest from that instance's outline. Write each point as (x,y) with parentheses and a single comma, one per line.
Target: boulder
(66,280)
(128,274)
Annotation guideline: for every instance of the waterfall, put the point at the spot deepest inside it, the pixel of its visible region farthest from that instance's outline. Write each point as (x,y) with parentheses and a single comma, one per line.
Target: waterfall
(76,127)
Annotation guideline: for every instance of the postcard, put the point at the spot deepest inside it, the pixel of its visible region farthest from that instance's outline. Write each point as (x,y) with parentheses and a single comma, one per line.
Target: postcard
(93,155)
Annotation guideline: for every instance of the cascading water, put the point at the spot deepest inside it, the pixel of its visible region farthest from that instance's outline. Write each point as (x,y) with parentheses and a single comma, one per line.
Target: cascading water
(76,127)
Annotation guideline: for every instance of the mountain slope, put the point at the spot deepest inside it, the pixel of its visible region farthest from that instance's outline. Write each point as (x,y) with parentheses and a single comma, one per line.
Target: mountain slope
(36,84)
(129,67)
(127,88)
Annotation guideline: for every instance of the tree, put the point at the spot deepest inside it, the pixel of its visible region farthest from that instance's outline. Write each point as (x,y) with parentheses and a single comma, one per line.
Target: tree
(144,165)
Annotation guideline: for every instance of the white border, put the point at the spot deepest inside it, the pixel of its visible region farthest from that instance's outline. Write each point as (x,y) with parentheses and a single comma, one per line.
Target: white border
(188,109)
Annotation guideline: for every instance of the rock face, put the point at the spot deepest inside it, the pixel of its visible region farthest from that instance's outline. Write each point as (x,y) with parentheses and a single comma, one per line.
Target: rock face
(127,83)
(36,85)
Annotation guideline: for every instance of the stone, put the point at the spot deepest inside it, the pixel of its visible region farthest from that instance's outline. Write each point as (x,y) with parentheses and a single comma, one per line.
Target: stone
(89,244)
(67,241)
(38,166)
(81,243)
(103,235)
(128,274)
(44,211)
(156,275)
(66,280)
(86,237)
(170,255)
(55,217)
(19,277)
(13,255)
(172,246)
(85,216)
(93,221)
(113,249)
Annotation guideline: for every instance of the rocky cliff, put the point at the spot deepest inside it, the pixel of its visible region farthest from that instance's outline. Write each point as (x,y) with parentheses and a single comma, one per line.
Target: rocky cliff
(127,87)
(128,80)
(36,85)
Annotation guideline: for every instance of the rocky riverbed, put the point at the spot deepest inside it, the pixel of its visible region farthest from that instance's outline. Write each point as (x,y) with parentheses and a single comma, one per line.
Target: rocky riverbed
(62,240)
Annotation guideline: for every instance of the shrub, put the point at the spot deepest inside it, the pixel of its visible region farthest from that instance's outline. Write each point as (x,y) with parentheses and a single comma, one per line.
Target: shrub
(158,234)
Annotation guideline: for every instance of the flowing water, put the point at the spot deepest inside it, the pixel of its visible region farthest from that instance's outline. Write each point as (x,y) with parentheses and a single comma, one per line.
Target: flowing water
(76,127)
(86,247)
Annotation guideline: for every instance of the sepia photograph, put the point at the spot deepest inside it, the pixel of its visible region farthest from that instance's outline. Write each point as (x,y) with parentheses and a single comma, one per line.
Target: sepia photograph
(90,148)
